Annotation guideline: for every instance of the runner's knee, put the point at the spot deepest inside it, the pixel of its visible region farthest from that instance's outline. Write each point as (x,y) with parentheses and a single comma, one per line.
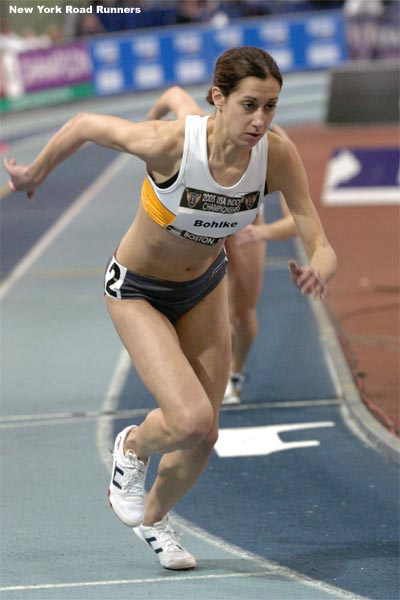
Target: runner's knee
(207,444)
(204,448)
(244,317)
(190,427)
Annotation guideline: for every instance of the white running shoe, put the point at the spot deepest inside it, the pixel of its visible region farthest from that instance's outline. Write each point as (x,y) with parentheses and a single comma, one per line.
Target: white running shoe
(233,389)
(164,541)
(126,493)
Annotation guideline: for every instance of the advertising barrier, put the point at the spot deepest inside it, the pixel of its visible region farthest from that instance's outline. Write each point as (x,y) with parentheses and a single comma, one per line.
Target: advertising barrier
(148,59)
(46,76)
(55,67)
(186,55)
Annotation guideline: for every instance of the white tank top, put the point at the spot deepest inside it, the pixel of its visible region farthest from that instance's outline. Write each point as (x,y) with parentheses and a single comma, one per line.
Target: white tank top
(195,206)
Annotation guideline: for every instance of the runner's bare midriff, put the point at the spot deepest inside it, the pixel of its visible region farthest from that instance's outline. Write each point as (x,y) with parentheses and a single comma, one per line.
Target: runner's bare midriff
(149,249)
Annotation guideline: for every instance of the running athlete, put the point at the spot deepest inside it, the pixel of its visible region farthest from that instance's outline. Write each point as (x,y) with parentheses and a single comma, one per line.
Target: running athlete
(165,287)
(245,250)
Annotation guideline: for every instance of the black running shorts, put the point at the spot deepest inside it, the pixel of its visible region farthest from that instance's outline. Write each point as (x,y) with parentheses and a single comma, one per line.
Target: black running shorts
(171,298)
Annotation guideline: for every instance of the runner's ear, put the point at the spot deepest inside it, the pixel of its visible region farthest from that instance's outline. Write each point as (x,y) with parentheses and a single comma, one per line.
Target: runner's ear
(217,96)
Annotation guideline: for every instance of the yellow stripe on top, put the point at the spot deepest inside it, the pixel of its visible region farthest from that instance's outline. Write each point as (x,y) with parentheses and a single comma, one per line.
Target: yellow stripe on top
(153,206)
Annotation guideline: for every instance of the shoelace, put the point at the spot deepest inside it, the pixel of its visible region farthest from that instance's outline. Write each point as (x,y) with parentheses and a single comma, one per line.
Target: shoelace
(169,539)
(133,480)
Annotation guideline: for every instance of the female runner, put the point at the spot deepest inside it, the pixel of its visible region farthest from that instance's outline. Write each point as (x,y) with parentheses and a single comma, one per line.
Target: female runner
(165,286)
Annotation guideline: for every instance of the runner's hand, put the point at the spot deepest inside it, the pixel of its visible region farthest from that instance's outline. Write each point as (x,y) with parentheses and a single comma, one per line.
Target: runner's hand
(308,280)
(248,235)
(20,179)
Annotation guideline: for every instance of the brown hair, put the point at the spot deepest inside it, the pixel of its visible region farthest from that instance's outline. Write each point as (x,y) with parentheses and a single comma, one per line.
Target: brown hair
(237,63)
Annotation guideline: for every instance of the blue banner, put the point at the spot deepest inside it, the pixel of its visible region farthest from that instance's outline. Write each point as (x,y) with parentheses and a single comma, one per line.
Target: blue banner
(185,55)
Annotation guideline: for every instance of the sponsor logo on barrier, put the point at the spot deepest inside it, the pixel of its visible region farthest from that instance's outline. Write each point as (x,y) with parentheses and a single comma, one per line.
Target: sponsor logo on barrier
(55,66)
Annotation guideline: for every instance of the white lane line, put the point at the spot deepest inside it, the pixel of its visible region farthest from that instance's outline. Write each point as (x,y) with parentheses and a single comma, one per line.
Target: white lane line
(39,420)
(51,235)
(271,567)
(66,421)
(283,404)
(267,569)
(104,430)
(165,579)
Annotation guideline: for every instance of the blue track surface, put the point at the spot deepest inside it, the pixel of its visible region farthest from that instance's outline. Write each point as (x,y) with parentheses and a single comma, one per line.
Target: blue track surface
(23,223)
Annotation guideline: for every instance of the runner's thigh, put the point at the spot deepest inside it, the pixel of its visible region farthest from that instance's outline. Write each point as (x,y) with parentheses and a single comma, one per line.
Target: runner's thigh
(204,335)
(155,350)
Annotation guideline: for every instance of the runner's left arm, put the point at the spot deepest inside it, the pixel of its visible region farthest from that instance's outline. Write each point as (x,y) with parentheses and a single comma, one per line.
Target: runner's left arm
(286,173)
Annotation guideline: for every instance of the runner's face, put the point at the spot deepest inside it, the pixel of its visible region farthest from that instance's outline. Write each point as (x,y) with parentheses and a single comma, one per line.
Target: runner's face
(249,110)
